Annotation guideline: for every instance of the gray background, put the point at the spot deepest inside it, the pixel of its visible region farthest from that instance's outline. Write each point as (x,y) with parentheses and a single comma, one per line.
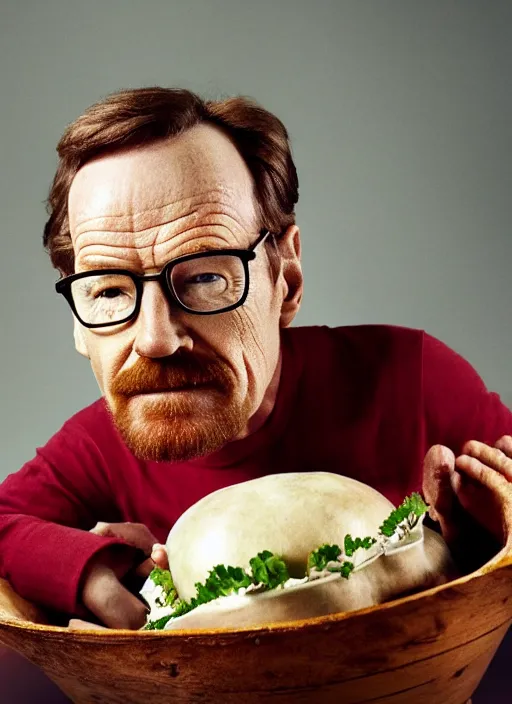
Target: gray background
(400,116)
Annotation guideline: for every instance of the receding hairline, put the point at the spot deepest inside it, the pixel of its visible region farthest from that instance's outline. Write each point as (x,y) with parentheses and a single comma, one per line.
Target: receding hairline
(243,185)
(141,116)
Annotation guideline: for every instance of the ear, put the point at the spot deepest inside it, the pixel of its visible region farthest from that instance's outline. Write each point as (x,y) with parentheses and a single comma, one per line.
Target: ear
(291,274)
(78,334)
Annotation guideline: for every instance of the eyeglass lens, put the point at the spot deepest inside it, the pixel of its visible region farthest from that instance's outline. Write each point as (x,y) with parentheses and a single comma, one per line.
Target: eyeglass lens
(204,285)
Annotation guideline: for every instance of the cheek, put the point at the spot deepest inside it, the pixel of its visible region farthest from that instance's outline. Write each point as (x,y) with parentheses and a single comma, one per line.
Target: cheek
(103,354)
(258,341)
(248,339)
(97,368)
(248,332)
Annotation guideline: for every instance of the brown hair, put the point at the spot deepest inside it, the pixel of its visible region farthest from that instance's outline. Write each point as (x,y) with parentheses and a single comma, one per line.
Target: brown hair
(145,115)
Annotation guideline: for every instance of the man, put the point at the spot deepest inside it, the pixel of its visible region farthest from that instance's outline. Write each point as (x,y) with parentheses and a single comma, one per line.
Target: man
(172,225)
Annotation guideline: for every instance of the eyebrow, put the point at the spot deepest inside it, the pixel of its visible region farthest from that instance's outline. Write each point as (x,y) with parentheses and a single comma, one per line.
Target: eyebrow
(94,263)
(198,248)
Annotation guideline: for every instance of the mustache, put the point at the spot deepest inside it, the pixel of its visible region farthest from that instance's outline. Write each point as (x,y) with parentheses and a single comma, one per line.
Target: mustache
(168,373)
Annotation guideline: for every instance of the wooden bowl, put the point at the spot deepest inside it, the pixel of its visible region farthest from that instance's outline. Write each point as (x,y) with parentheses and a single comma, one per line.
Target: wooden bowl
(428,648)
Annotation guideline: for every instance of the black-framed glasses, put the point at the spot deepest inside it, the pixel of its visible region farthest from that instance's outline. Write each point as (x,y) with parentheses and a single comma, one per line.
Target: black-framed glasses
(205,283)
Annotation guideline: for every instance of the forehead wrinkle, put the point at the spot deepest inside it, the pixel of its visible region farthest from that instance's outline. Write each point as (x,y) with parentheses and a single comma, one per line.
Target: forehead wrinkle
(100,260)
(225,232)
(184,245)
(217,226)
(102,233)
(137,221)
(189,245)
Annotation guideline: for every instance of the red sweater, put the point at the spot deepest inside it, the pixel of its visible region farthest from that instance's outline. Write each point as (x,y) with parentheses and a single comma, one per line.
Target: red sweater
(364,401)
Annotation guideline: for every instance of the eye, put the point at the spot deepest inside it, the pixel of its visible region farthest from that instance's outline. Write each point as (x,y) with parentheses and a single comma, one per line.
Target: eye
(109,293)
(205,278)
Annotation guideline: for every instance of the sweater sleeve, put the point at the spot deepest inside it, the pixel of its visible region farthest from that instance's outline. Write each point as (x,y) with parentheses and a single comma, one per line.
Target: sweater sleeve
(457,404)
(46,512)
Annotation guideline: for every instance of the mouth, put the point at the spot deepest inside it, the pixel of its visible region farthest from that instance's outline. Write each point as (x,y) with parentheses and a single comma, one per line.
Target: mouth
(186,388)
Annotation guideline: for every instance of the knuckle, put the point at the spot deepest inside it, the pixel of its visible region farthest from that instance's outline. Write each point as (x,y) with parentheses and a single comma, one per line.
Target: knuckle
(505,444)
(499,454)
(472,447)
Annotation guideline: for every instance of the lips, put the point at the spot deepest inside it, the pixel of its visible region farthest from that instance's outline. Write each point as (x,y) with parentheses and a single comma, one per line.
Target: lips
(171,389)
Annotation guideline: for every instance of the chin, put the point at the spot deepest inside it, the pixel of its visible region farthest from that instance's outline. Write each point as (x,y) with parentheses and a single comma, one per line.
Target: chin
(169,437)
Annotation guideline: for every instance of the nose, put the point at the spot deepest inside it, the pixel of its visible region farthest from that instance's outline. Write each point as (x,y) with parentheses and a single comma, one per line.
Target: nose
(159,333)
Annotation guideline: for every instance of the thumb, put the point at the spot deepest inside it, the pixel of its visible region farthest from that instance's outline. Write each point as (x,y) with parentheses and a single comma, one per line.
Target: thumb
(159,556)
(438,475)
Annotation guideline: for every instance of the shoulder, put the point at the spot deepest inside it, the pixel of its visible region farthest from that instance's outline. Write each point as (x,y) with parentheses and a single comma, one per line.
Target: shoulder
(90,419)
(395,354)
(362,333)
(442,365)
(361,344)
(88,441)
(406,368)
(90,430)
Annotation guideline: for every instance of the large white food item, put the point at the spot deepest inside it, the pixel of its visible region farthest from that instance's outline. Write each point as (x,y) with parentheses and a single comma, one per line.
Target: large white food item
(291,515)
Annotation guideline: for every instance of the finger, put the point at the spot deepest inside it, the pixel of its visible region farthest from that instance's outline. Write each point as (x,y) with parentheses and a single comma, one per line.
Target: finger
(438,465)
(76,624)
(159,556)
(101,528)
(482,473)
(438,470)
(113,604)
(491,456)
(505,445)
(486,494)
(135,534)
(145,568)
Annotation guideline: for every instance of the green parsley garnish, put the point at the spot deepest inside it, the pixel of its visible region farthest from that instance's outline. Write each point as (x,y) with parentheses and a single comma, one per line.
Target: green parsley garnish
(409,511)
(326,555)
(344,568)
(352,544)
(318,559)
(267,570)
(163,578)
(159,624)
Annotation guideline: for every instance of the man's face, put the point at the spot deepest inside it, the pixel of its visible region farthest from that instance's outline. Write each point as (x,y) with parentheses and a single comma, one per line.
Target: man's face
(178,385)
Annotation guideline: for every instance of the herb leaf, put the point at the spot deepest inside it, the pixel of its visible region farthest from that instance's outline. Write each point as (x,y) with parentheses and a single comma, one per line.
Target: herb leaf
(221,581)
(163,578)
(319,558)
(159,624)
(344,568)
(352,544)
(409,511)
(268,569)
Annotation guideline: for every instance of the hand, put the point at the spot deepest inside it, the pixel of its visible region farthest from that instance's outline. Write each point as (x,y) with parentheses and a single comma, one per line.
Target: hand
(139,536)
(103,593)
(468,495)
(483,482)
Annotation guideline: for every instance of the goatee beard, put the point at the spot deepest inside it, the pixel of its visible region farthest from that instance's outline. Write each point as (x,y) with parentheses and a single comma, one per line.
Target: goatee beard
(179,425)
